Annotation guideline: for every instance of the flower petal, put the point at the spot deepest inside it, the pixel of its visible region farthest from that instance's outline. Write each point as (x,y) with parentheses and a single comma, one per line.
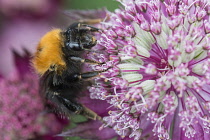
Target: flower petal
(90,130)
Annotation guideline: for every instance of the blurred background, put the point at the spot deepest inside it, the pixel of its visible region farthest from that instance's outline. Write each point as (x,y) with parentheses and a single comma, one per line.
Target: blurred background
(91,4)
(22,24)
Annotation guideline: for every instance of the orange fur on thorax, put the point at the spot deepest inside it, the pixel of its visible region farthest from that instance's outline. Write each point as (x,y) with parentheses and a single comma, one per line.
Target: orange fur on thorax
(49,52)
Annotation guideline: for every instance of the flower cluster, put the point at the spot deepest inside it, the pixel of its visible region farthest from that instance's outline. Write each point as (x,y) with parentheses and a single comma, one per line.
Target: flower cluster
(21,115)
(158,69)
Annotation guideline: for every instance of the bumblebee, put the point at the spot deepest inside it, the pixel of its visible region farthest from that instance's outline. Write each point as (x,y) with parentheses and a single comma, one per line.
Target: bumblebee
(58,61)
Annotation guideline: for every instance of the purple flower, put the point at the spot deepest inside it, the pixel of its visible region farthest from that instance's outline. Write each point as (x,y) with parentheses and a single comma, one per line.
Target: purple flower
(159,69)
(90,130)
(22,110)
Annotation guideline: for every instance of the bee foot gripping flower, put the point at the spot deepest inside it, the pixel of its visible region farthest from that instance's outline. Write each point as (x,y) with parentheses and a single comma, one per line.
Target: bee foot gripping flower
(158,81)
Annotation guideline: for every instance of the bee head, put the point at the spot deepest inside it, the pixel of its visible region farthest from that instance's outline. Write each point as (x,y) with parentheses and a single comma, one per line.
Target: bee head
(77,39)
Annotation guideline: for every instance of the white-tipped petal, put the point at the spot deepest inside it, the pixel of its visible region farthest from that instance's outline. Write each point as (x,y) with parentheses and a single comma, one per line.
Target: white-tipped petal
(129,66)
(142,51)
(176,62)
(200,54)
(125,57)
(161,40)
(135,60)
(165,27)
(133,79)
(148,85)
(141,42)
(198,69)
(190,80)
(186,57)
(143,38)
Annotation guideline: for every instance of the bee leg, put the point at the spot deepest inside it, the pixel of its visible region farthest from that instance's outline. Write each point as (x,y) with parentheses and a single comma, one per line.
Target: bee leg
(78,59)
(90,21)
(89,28)
(89,113)
(78,108)
(84,76)
(86,23)
(90,75)
(82,27)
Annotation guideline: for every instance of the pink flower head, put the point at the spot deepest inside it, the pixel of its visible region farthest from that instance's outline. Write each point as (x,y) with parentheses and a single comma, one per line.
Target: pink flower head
(159,82)
(22,113)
